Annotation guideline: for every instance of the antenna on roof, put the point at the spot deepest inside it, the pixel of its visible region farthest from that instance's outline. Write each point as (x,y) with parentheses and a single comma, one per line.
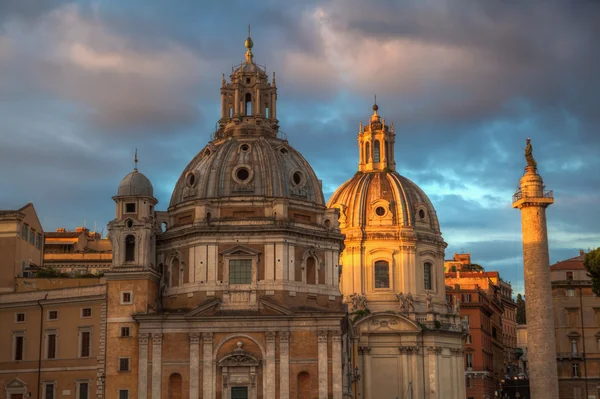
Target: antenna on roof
(94,227)
(84,223)
(135,160)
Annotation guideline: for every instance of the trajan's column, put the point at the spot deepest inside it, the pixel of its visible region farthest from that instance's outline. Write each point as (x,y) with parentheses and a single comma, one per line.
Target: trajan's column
(531,199)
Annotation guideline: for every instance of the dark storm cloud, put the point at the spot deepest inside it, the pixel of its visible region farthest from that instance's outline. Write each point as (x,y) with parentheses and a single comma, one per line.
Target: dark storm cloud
(464,81)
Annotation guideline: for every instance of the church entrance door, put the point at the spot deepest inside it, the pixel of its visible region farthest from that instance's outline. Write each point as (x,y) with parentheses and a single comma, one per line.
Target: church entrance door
(239,392)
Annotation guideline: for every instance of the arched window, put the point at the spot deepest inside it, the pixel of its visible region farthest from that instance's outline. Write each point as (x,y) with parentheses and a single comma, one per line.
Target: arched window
(266,110)
(175,273)
(427,275)
(376,151)
(129,248)
(248,101)
(368,152)
(230,112)
(303,386)
(175,386)
(311,270)
(382,274)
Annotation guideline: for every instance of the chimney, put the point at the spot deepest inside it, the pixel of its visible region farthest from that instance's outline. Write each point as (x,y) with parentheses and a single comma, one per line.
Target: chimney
(60,230)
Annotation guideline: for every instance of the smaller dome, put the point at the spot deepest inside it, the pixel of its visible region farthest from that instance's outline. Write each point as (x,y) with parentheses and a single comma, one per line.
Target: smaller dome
(135,183)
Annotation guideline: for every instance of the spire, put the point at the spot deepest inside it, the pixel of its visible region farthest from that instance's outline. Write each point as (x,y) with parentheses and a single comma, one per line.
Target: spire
(249,44)
(135,160)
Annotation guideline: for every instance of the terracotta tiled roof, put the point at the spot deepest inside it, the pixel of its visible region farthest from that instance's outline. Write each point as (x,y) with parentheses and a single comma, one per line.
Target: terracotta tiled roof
(575,263)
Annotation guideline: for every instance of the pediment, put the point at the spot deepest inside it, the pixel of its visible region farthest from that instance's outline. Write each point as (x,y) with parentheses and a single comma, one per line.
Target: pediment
(274,308)
(382,323)
(240,250)
(16,383)
(205,309)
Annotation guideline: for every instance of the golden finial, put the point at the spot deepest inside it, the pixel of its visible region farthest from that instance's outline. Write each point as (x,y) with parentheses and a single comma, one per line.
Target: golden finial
(249,44)
(135,160)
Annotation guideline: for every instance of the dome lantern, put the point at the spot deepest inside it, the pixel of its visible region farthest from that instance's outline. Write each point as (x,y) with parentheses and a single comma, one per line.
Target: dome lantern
(376,145)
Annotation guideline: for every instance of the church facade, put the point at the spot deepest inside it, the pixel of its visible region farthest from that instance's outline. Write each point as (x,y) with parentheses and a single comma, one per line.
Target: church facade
(407,340)
(233,292)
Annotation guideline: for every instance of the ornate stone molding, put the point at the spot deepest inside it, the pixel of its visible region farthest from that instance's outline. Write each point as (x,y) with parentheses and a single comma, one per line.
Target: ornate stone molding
(284,336)
(194,338)
(457,351)
(143,338)
(156,338)
(207,337)
(364,350)
(384,322)
(270,335)
(336,335)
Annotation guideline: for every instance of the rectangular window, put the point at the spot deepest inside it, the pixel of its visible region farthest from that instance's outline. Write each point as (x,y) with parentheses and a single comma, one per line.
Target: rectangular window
(570,292)
(427,275)
(240,271)
(25,232)
(382,274)
(124,364)
(123,394)
(32,237)
(85,343)
(125,332)
(569,276)
(48,391)
(86,312)
(466,298)
(51,345)
(575,370)
(53,315)
(19,317)
(38,241)
(18,346)
(83,390)
(126,297)
(469,360)
(130,207)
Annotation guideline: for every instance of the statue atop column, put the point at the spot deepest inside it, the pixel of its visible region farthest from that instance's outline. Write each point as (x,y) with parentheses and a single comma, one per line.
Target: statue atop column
(529,154)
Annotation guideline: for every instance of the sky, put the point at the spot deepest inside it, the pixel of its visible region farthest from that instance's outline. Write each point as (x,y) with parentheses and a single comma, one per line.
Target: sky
(83,84)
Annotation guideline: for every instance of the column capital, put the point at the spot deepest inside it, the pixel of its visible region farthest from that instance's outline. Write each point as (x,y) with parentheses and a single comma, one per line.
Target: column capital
(434,350)
(270,335)
(457,351)
(364,350)
(194,338)
(207,337)
(336,335)
(156,338)
(322,335)
(284,336)
(143,338)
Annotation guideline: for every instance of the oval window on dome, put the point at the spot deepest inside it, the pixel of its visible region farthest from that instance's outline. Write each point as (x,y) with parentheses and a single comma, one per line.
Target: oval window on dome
(298,178)
(421,213)
(244,148)
(380,211)
(190,179)
(283,151)
(242,174)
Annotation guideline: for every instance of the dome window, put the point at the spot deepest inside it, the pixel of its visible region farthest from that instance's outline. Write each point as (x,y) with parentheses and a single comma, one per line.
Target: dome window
(190,179)
(242,174)
(380,211)
(244,148)
(284,151)
(207,152)
(298,178)
(421,213)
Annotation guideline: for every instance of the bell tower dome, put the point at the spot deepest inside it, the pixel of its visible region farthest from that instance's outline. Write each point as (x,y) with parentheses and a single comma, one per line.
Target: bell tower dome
(249,100)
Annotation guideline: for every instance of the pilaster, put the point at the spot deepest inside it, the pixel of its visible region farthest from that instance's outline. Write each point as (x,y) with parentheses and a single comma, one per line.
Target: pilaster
(143,365)
(156,365)
(270,376)
(194,365)
(207,377)
(284,365)
(336,364)
(322,363)
(434,384)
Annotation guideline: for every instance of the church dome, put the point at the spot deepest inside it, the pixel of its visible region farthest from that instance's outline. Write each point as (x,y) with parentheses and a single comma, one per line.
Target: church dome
(135,183)
(254,166)
(384,198)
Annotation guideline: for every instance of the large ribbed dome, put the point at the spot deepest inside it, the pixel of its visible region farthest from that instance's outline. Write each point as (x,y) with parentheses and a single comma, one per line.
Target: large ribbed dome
(382,198)
(255,166)
(135,183)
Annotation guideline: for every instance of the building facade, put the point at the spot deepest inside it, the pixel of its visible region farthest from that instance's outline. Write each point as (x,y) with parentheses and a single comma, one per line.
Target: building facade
(577,327)
(78,252)
(407,343)
(21,245)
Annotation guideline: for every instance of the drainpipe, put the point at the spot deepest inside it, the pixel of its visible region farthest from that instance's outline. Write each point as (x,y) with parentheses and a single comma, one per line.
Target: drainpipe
(39,373)
(583,341)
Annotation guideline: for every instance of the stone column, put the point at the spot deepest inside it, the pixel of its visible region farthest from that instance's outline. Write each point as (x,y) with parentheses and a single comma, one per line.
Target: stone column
(156,365)
(143,365)
(323,363)
(194,365)
(417,370)
(366,365)
(336,364)
(207,377)
(532,201)
(284,364)
(270,375)
(404,380)
(434,372)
